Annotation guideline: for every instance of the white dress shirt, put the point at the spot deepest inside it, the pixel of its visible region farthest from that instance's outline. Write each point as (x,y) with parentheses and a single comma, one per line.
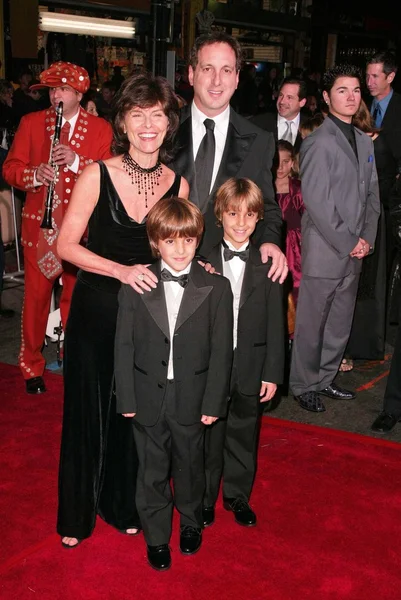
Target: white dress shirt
(220,135)
(173,292)
(234,271)
(282,127)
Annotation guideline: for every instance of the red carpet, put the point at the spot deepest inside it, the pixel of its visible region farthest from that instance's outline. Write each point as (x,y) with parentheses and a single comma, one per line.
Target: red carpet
(329,508)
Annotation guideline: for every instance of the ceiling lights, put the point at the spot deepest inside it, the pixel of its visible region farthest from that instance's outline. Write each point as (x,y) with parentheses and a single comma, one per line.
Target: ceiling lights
(58,22)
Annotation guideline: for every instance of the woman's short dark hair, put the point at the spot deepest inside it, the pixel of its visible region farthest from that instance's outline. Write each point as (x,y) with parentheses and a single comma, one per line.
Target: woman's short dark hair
(144,90)
(331,75)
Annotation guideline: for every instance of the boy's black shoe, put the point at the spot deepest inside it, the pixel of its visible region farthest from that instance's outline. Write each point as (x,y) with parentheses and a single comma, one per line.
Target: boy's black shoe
(159,557)
(243,513)
(208,515)
(190,539)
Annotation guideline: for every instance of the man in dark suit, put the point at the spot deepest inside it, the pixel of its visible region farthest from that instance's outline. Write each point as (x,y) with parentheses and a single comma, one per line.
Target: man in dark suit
(341,195)
(214,143)
(258,352)
(173,355)
(386,111)
(391,412)
(284,124)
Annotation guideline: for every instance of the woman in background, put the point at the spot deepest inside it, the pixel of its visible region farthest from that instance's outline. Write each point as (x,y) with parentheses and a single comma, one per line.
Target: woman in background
(289,198)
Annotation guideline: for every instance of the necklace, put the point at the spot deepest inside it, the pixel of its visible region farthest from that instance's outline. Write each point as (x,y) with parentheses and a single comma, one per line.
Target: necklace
(144,179)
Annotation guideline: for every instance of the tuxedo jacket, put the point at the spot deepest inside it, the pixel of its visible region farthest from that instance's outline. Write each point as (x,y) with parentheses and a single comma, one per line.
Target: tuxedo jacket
(260,341)
(90,140)
(202,349)
(341,197)
(268,122)
(248,152)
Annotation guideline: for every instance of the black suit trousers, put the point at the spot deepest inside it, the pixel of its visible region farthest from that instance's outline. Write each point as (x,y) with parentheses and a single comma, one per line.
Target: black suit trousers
(392,395)
(231,448)
(169,448)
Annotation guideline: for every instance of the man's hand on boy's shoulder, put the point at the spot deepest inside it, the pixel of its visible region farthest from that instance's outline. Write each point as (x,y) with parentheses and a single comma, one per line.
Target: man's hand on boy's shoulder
(208,420)
(279,268)
(267,391)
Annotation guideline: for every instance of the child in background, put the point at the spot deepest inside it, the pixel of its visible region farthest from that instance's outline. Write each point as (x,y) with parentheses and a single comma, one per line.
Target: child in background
(289,198)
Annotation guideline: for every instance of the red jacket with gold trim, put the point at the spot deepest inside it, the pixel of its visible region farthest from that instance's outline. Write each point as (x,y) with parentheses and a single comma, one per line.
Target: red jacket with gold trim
(90,140)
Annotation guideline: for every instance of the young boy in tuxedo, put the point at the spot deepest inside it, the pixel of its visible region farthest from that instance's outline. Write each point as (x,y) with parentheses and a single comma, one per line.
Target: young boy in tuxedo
(173,355)
(231,444)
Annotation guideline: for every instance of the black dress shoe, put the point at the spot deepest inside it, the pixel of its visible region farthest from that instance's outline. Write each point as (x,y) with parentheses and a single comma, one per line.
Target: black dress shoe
(311,401)
(384,423)
(159,557)
(190,539)
(35,385)
(336,393)
(208,515)
(243,513)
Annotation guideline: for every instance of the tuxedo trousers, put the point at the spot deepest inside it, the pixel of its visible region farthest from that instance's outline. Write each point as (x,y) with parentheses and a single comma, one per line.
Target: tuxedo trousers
(169,449)
(323,323)
(35,311)
(231,448)
(98,458)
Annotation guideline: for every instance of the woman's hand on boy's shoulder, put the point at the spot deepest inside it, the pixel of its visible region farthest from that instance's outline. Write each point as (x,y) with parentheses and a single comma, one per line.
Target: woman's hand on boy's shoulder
(209,268)
(208,420)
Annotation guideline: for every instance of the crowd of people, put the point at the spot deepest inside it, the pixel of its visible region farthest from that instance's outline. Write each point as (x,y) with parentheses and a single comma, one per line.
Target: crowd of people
(174,232)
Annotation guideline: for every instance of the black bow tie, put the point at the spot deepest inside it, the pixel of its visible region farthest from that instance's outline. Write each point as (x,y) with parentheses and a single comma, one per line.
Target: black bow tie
(181,279)
(229,254)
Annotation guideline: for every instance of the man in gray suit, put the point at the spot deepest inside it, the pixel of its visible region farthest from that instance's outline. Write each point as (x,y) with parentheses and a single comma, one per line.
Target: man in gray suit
(340,192)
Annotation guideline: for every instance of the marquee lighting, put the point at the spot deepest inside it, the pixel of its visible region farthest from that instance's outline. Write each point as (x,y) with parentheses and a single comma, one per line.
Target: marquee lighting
(57,22)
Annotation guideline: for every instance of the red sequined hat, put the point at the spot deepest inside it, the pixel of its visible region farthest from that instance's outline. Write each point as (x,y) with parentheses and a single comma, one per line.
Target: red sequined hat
(64,73)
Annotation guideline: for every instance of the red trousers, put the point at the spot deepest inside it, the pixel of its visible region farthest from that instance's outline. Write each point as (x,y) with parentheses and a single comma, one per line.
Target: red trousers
(35,312)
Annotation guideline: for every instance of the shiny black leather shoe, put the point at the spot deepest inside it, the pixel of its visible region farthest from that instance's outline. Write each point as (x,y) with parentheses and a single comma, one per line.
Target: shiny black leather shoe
(336,393)
(190,539)
(35,385)
(159,557)
(384,423)
(208,515)
(311,401)
(243,513)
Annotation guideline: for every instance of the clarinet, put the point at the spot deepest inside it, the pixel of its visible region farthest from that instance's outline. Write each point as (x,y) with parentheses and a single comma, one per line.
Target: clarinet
(47,222)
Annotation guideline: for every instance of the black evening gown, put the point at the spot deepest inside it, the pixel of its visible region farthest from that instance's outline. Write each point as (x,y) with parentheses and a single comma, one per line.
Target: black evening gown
(98,460)
(367,338)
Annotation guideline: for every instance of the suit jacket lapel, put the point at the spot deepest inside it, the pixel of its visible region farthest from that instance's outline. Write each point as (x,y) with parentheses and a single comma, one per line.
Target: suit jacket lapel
(194,294)
(346,146)
(155,302)
(184,163)
(252,275)
(236,149)
(215,259)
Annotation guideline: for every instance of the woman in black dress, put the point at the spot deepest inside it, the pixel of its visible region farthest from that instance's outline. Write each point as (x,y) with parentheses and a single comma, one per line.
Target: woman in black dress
(98,462)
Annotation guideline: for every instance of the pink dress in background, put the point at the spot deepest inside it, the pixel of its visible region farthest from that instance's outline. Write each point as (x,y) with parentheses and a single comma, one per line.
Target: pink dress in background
(292,208)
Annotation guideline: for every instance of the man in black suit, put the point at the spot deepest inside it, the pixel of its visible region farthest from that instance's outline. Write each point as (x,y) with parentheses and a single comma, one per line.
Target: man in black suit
(215,143)
(284,124)
(386,111)
(173,355)
(391,412)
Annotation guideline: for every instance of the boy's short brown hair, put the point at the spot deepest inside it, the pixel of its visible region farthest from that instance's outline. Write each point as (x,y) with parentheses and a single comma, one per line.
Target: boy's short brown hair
(173,217)
(235,191)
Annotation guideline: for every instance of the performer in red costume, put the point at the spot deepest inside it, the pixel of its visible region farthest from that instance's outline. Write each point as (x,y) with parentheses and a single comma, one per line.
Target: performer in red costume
(83,139)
